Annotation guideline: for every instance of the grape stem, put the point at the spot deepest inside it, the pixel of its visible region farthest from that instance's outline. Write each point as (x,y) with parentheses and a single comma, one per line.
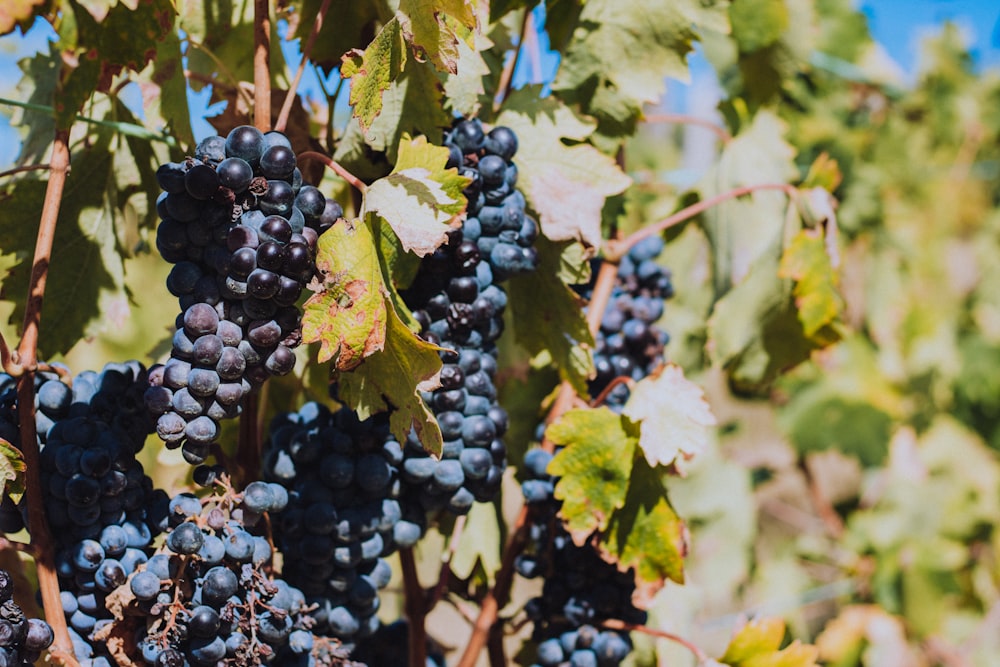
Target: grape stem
(339,170)
(444,576)
(615,249)
(25,358)
(615,624)
(286,106)
(416,610)
(14,545)
(685,119)
(507,75)
(262,65)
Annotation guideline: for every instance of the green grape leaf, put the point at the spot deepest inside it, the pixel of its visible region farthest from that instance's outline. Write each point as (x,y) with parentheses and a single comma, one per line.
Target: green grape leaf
(593,466)
(12,468)
(560,328)
(348,26)
(757,644)
(757,23)
(392,379)
(18,13)
(742,230)
(479,543)
(347,315)
(373,70)
(464,89)
(95,51)
(431,28)
(807,263)
(674,418)
(566,185)
(85,292)
(754,330)
(165,90)
(411,105)
(399,268)
(419,198)
(619,55)
(646,534)
(574,263)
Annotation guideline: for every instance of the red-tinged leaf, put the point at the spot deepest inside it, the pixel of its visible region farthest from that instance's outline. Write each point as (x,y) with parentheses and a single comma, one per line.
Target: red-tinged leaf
(373,70)
(347,315)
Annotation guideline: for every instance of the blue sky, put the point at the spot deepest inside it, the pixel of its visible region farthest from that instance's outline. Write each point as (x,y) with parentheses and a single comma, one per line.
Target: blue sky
(899,25)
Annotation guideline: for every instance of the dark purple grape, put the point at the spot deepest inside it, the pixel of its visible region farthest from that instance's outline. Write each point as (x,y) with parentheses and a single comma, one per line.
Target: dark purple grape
(245,142)
(281,361)
(298,262)
(242,236)
(276,228)
(201,181)
(200,319)
(278,200)
(277,162)
(262,284)
(264,334)
(311,202)
(242,263)
(468,135)
(492,169)
(501,141)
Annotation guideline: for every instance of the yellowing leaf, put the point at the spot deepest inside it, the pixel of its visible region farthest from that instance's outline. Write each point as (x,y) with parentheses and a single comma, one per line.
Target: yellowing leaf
(348,316)
(560,328)
(12,469)
(412,203)
(646,534)
(756,645)
(426,26)
(479,543)
(594,465)
(566,185)
(372,71)
(392,378)
(760,635)
(674,416)
(806,261)
(464,90)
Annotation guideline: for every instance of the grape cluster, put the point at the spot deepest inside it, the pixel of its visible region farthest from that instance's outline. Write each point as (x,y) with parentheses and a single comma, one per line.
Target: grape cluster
(204,597)
(459,307)
(629,344)
(585,646)
(580,588)
(240,229)
(496,219)
(22,639)
(342,479)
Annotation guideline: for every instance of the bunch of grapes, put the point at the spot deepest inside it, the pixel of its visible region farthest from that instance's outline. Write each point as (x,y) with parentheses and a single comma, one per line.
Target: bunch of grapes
(585,646)
(342,479)
(496,219)
(205,598)
(240,228)
(460,308)
(97,497)
(629,345)
(580,588)
(22,639)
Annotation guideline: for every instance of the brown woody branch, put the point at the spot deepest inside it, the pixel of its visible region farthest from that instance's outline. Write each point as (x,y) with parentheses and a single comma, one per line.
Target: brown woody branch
(27,360)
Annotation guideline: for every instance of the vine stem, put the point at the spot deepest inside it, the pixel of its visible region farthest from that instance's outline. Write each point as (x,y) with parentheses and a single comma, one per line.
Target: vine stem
(356,182)
(22,169)
(286,106)
(415,608)
(262,65)
(614,250)
(507,75)
(615,624)
(27,361)
(685,119)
